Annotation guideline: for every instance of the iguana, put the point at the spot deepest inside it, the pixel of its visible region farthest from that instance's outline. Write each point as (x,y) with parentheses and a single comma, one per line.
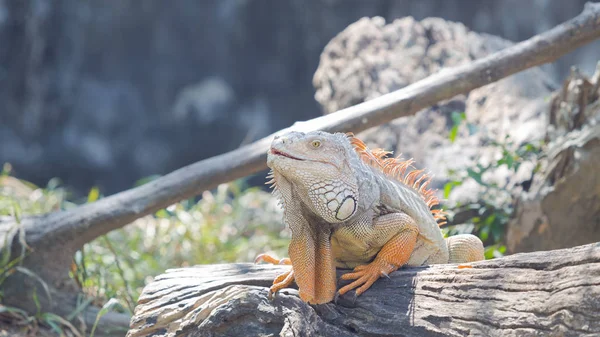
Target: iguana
(351,207)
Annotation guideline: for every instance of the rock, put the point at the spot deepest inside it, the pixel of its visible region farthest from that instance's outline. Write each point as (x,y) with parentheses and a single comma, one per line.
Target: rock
(562,207)
(556,206)
(371,58)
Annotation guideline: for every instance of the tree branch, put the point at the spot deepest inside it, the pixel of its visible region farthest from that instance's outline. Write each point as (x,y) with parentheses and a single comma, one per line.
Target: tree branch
(87,222)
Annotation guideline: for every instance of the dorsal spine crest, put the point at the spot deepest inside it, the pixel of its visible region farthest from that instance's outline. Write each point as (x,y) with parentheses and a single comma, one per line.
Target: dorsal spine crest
(400,170)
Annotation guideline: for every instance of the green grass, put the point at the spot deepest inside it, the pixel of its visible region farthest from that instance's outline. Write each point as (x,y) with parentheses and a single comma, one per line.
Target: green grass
(230,224)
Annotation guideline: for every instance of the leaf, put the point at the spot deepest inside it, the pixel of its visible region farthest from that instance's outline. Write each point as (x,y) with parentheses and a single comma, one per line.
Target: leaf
(36,300)
(106,308)
(37,278)
(93,195)
(80,308)
(55,327)
(6,251)
(162,213)
(447,190)
(509,161)
(457,117)
(7,268)
(12,310)
(484,233)
(146,180)
(482,168)
(517,165)
(494,251)
(453,133)
(51,319)
(17,212)
(6,169)
(497,231)
(475,176)
(449,186)
(490,219)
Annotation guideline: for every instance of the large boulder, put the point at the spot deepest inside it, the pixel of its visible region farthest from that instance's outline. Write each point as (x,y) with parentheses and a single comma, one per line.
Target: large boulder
(562,207)
(556,198)
(371,58)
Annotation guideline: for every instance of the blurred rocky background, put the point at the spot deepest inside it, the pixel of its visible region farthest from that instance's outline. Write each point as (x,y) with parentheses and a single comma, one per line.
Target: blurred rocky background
(103,93)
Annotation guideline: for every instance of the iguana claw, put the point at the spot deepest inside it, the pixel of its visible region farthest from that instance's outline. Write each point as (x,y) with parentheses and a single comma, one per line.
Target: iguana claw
(272,260)
(281,281)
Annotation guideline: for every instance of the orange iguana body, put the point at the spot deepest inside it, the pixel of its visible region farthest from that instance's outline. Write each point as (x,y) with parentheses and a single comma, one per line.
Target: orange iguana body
(350,207)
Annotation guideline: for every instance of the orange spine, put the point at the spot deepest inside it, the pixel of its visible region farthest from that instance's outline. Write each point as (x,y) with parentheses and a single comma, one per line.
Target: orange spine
(402,171)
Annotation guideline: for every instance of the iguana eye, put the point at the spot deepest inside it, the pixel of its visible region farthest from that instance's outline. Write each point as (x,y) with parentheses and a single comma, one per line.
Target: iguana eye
(316,143)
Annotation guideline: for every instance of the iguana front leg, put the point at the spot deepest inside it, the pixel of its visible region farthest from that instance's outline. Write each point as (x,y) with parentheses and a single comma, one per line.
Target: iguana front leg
(312,260)
(313,266)
(394,253)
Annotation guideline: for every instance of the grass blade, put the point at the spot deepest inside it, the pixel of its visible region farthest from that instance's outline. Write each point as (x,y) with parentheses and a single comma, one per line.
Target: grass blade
(106,308)
(37,278)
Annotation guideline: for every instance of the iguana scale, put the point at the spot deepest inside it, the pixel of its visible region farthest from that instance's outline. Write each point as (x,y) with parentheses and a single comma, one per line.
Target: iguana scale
(351,207)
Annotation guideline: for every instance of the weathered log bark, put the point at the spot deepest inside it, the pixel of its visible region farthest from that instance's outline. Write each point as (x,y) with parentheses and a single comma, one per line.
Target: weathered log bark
(554,293)
(55,237)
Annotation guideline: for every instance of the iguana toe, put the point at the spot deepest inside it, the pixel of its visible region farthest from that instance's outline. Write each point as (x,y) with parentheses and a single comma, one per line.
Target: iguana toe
(272,260)
(280,282)
(364,276)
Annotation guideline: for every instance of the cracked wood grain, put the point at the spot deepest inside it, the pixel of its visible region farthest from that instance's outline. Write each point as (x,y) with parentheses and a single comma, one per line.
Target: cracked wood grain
(554,293)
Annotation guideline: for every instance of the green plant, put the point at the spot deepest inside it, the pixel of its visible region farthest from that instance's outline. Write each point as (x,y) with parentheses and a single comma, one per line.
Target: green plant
(231,224)
(57,324)
(487,217)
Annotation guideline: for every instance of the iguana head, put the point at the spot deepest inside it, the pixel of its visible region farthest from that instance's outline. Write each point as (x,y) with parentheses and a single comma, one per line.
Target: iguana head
(319,166)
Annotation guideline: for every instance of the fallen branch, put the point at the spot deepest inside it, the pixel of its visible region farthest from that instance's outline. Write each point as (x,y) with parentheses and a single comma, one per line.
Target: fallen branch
(554,293)
(89,221)
(55,237)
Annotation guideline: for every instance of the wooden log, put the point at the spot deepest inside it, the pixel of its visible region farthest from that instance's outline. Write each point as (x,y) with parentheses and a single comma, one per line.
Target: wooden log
(553,293)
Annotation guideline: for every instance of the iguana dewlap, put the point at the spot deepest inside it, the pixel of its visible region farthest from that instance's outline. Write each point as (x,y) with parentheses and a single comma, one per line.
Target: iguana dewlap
(350,207)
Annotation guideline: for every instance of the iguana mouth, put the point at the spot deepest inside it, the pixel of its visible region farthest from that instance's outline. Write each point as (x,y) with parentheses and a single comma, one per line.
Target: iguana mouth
(283,154)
